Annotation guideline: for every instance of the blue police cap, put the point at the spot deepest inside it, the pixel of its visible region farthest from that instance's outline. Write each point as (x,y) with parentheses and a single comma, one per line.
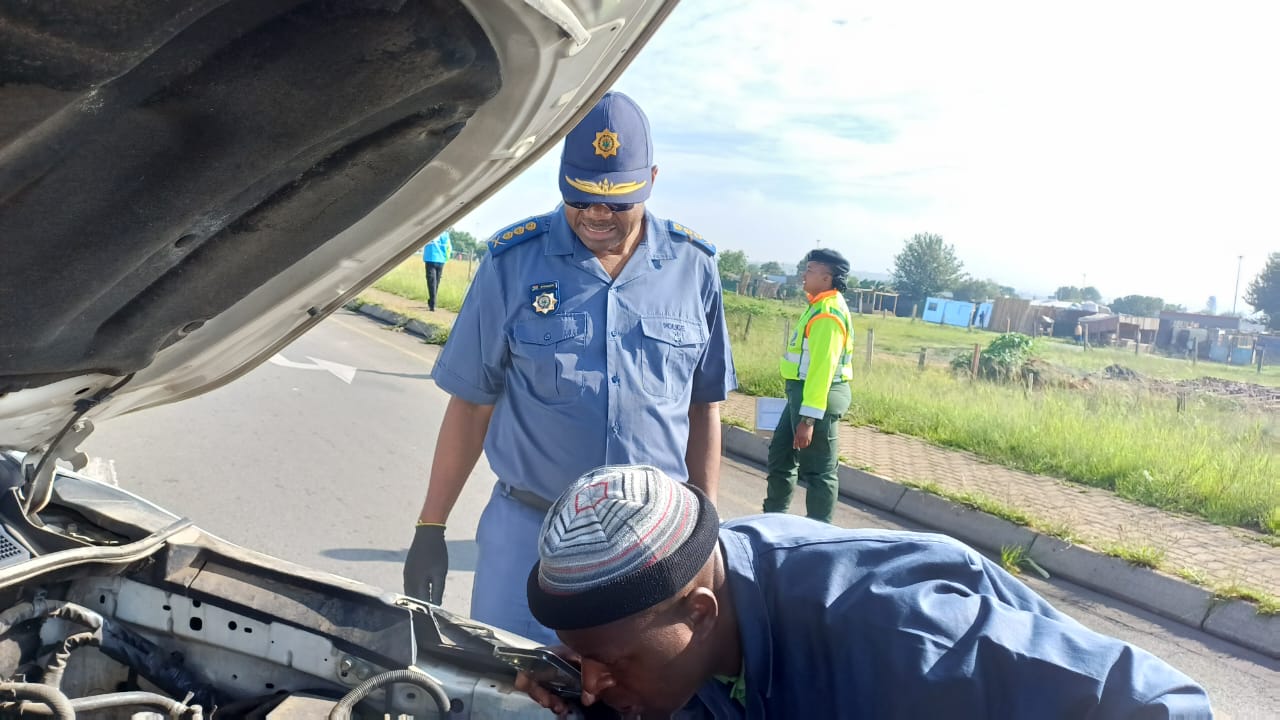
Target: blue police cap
(609,155)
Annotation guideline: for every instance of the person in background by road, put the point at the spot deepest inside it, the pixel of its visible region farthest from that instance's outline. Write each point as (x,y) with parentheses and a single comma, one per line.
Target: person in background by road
(434,256)
(592,334)
(817,367)
(776,616)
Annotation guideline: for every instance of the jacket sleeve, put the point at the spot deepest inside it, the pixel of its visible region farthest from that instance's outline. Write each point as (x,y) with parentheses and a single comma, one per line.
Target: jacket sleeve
(826,344)
(953,635)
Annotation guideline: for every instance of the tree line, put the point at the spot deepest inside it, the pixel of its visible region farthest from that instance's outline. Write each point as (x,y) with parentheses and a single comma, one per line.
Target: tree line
(928,267)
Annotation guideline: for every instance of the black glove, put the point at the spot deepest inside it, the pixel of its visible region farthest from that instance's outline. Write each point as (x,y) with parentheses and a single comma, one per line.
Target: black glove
(427,564)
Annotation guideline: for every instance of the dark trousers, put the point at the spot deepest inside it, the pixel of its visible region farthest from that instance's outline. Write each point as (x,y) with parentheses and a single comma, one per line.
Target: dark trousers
(433,282)
(817,463)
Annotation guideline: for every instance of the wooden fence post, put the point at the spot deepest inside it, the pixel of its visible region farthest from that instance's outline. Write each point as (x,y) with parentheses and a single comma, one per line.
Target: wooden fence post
(1261,352)
(786,334)
(747,333)
(913,311)
(977,353)
(871,345)
(924,356)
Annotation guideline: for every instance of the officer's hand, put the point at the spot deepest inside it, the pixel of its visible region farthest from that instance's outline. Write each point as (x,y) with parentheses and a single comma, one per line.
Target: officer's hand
(427,564)
(545,697)
(804,436)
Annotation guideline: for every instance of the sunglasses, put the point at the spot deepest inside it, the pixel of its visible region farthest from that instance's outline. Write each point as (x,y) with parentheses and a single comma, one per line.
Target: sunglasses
(613,207)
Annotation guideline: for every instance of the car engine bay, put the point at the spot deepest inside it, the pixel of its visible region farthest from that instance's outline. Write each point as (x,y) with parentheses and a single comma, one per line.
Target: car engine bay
(111,607)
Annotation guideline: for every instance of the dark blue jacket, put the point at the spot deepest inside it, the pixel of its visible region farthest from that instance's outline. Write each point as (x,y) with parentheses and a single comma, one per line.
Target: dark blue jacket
(876,624)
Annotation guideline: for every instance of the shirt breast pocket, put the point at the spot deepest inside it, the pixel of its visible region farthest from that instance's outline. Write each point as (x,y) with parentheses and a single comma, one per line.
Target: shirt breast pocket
(672,349)
(546,353)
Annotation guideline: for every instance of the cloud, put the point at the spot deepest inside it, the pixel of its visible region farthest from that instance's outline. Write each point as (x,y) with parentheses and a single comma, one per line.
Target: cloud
(1135,142)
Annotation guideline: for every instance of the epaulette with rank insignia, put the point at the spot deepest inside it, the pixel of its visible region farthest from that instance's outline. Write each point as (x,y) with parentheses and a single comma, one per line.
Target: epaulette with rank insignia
(507,238)
(694,238)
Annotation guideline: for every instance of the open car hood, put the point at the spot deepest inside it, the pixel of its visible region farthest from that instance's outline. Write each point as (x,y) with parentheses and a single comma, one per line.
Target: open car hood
(188,185)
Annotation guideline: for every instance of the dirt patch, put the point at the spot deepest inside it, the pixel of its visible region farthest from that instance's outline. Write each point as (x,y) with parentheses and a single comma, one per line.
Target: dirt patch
(1251,394)
(409,308)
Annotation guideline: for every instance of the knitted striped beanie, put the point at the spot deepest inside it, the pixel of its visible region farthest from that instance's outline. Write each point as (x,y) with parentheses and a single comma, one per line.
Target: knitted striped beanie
(620,540)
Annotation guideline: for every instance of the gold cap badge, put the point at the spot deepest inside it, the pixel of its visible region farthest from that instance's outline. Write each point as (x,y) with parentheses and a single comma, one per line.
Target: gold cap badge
(606,144)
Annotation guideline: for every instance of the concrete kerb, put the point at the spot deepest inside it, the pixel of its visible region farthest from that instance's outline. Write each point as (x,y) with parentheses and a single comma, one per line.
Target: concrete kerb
(426,331)
(1236,621)
(1150,590)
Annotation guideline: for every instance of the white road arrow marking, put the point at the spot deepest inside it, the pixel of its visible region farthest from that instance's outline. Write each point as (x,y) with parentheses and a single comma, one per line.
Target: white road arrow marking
(345,373)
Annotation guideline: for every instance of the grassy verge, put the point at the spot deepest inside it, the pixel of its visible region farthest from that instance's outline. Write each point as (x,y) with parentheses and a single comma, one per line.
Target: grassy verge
(1220,464)
(1213,460)
(409,280)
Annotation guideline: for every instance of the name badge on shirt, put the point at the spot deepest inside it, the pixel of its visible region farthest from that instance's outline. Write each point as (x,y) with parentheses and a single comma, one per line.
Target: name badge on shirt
(545,297)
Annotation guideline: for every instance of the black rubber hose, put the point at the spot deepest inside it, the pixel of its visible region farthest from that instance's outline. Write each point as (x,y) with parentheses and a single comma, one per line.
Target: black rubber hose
(342,711)
(52,700)
(58,664)
(44,607)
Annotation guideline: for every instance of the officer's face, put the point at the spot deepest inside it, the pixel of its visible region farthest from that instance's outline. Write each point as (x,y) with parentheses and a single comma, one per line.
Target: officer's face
(816,278)
(604,231)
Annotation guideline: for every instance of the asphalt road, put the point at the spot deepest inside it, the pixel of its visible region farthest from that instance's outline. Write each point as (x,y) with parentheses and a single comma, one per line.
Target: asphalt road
(296,461)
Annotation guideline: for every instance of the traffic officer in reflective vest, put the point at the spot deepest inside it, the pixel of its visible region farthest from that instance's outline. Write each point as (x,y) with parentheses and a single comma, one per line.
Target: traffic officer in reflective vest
(817,367)
(592,335)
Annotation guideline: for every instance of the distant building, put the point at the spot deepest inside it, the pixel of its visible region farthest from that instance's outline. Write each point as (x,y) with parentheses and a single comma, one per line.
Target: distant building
(1174,327)
(948,312)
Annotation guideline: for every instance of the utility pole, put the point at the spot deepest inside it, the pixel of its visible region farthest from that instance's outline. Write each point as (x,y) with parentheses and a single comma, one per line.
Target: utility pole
(1236,296)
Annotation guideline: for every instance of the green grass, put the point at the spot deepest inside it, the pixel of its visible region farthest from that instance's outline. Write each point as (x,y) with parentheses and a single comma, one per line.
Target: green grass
(1213,460)
(1222,465)
(1267,603)
(1152,365)
(1193,576)
(1147,556)
(409,280)
(1012,557)
(901,336)
(1060,530)
(991,506)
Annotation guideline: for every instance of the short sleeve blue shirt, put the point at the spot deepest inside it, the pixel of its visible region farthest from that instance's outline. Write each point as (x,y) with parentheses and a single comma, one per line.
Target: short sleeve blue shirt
(584,370)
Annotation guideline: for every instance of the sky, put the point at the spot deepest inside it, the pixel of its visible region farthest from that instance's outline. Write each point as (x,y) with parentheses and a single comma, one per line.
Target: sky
(1133,146)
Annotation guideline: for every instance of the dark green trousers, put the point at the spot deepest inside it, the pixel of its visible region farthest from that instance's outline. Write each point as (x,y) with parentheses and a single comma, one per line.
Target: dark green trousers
(817,463)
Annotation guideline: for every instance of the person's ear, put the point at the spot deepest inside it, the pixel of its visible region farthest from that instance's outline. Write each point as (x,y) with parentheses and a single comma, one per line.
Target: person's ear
(653,176)
(701,611)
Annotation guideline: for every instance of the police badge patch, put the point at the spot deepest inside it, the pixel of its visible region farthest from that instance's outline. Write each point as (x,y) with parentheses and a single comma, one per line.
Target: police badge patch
(545,297)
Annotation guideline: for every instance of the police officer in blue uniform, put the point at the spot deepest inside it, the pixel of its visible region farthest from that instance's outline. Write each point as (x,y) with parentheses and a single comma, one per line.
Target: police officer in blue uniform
(592,335)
